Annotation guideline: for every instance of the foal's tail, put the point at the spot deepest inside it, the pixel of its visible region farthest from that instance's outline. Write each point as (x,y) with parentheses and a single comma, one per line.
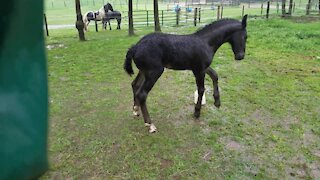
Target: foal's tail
(128,62)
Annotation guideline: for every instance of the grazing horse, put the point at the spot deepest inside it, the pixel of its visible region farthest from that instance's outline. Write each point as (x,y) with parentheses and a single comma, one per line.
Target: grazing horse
(98,15)
(194,52)
(112,15)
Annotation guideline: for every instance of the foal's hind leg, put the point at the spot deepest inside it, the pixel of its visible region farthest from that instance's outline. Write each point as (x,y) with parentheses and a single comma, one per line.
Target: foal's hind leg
(200,84)
(151,78)
(136,84)
(216,95)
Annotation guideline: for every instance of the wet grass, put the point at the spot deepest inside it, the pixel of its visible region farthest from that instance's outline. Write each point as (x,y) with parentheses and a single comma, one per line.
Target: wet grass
(268,126)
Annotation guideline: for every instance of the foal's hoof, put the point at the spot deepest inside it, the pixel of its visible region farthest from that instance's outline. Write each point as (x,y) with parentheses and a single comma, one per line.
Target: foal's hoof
(196,114)
(217,104)
(152,127)
(135,111)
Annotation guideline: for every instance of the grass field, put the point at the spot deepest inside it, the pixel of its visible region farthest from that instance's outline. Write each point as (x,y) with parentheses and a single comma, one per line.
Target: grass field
(267,127)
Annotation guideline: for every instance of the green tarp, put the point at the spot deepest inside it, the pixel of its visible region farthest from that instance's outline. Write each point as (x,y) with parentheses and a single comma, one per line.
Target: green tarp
(23,91)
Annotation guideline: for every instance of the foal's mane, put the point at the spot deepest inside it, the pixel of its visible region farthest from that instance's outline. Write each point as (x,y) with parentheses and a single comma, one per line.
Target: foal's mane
(216,25)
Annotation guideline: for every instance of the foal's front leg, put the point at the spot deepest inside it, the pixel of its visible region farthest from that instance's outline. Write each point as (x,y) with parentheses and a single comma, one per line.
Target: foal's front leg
(200,84)
(216,95)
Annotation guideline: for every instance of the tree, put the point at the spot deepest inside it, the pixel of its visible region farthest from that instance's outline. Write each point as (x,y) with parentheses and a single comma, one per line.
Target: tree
(79,22)
(290,7)
(131,32)
(156,16)
(308,7)
(283,7)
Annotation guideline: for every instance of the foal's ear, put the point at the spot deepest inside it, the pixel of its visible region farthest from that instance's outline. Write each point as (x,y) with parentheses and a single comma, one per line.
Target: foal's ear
(244,21)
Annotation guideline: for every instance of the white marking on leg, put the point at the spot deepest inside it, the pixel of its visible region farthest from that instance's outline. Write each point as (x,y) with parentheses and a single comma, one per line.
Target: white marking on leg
(152,128)
(136,111)
(147,124)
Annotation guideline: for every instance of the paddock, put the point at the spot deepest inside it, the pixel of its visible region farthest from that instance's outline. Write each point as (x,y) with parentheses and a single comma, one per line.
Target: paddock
(267,125)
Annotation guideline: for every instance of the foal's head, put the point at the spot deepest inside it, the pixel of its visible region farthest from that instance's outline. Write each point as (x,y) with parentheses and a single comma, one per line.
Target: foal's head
(238,40)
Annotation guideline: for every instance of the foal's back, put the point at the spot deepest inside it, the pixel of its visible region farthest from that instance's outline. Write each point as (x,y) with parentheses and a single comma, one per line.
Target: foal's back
(179,52)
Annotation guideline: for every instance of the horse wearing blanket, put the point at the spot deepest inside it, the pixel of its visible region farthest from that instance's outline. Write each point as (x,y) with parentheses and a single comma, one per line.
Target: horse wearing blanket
(194,52)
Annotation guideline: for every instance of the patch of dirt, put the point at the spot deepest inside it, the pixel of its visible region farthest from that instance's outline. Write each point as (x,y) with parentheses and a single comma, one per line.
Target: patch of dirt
(231,144)
(314,171)
(299,167)
(207,156)
(303,19)
(165,163)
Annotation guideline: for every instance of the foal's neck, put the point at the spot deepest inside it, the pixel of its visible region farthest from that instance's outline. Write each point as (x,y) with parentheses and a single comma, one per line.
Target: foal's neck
(216,36)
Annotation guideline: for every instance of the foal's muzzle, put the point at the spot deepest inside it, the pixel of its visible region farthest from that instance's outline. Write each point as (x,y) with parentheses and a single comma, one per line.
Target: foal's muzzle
(239,56)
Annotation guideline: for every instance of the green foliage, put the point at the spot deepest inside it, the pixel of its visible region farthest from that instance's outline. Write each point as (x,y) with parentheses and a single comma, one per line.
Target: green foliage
(267,128)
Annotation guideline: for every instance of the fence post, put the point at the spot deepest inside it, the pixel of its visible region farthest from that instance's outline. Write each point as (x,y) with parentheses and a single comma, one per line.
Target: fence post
(199,15)
(195,17)
(242,10)
(221,12)
(64,2)
(218,13)
(268,9)
(261,8)
(162,17)
(46,24)
(187,14)
(277,8)
(94,3)
(308,9)
(177,18)
(294,7)
(147,18)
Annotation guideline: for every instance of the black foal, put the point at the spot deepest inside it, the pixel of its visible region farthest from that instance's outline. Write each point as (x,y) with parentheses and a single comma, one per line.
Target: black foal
(194,52)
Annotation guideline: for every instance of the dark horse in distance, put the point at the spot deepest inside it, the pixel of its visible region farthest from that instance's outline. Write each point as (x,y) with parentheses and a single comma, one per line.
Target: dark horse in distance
(96,15)
(111,14)
(194,52)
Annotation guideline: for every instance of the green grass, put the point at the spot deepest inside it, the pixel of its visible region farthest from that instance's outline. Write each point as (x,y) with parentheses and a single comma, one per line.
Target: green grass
(267,127)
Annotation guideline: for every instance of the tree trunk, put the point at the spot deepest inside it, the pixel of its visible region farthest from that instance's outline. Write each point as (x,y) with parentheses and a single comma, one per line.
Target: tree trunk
(131,32)
(156,16)
(283,7)
(79,22)
(308,7)
(290,7)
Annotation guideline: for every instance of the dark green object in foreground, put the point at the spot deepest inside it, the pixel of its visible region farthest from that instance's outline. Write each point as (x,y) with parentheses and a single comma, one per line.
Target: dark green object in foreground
(23,91)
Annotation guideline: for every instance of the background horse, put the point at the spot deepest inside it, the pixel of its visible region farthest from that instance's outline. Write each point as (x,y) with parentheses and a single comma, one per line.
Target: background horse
(112,15)
(98,15)
(194,52)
